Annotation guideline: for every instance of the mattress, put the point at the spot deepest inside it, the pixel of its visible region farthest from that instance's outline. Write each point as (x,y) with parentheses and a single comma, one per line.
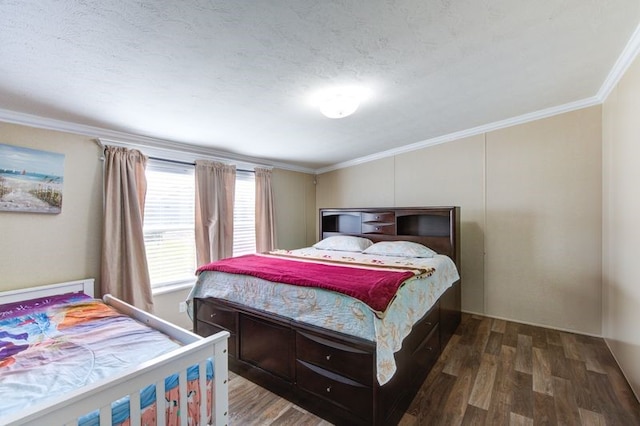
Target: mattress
(54,345)
(339,312)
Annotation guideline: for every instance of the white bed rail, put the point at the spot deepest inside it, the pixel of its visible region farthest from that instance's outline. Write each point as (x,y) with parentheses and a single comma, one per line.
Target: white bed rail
(80,286)
(66,409)
(180,334)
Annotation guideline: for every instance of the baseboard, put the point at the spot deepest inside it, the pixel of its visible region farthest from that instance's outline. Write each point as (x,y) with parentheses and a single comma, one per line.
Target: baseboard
(566,330)
(637,394)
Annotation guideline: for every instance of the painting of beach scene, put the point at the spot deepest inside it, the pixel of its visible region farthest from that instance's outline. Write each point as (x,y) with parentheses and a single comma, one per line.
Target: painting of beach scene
(30,180)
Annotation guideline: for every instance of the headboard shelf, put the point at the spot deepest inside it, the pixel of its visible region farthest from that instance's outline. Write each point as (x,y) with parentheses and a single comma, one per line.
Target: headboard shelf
(436,227)
(344,223)
(424,225)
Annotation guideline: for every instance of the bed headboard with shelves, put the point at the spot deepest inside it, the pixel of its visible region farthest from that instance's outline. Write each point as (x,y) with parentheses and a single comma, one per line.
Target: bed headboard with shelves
(436,227)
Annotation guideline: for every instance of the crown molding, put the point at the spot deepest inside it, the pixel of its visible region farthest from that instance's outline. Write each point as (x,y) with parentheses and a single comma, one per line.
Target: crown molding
(521,119)
(625,59)
(150,146)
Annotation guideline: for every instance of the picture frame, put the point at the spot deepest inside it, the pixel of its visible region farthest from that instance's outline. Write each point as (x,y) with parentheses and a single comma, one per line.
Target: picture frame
(31,180)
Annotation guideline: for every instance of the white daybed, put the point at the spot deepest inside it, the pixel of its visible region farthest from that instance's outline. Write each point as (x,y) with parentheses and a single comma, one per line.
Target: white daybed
(195,350)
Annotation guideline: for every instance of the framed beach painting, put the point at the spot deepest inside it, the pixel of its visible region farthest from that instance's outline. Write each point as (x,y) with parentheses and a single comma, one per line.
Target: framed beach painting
(30,180)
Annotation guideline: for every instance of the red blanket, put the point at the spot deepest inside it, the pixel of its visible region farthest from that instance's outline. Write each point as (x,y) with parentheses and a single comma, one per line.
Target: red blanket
(376,288)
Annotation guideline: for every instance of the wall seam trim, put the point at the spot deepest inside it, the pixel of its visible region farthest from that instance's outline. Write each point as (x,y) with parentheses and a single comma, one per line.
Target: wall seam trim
(484,236)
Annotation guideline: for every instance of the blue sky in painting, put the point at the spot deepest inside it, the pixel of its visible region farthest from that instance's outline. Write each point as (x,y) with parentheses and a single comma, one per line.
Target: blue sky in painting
(31,160)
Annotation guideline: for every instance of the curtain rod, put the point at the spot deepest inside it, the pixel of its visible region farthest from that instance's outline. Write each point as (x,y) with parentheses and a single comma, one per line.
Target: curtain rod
(186,163)
(185,157)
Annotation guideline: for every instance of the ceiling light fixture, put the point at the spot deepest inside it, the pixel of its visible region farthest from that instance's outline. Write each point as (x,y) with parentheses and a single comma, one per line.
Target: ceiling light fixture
(340,102)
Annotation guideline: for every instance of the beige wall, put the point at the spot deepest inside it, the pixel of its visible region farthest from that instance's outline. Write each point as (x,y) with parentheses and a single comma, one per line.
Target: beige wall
(621,229)
(38,249)
(167,307)
(366,185)
(543,233)
(294,196)
(530,199)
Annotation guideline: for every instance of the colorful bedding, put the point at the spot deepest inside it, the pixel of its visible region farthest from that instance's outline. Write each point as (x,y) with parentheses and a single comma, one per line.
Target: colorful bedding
(336,311)
(382,281)
(54,345)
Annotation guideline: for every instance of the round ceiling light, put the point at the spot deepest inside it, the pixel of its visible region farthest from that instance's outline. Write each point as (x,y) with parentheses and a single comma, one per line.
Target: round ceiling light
(339,105)
(340,102)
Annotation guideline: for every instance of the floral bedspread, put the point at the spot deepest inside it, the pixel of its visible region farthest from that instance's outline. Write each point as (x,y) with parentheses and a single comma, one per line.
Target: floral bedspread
(52,346)
(336,311)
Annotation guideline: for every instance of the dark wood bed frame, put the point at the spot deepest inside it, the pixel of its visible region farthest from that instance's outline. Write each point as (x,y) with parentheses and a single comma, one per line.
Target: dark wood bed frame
(329,373)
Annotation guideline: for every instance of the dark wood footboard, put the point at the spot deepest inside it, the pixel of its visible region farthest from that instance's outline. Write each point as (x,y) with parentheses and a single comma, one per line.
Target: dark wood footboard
(328,373)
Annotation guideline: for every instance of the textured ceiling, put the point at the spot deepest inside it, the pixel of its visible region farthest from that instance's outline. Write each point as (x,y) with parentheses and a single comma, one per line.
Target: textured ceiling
(236,76)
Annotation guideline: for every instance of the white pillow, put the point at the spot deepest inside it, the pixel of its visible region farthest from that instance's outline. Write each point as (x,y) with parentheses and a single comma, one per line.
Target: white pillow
(343,243)
(400,248)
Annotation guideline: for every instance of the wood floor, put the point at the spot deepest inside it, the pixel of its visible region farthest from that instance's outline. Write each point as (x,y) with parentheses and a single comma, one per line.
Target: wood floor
(492,372)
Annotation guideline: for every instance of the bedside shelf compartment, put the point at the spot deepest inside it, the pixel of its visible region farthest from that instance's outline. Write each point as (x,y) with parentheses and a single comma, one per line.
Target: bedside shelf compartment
(344,222)
(416,224)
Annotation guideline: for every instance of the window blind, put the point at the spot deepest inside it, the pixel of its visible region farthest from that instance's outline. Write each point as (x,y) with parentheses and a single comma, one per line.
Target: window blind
(244,214)
(169,223)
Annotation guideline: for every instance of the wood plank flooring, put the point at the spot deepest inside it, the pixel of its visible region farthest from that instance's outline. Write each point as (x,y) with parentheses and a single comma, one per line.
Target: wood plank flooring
(492,372)
(249,404)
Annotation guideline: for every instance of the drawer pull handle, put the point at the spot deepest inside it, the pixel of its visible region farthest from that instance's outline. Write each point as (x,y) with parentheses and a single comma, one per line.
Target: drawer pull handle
(428,323)
(213,315)
(429,349)
(329,389)
(377,228)
(328,357)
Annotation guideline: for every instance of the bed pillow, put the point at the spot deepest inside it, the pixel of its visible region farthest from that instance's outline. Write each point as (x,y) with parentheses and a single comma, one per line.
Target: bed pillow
(343,243)
(400,248)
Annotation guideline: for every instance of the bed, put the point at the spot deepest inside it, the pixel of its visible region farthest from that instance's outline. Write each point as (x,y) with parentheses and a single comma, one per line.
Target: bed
(67,358)
(346,359)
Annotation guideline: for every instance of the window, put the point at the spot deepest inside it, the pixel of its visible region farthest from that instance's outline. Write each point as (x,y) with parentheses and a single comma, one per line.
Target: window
(169,223)
(244,214)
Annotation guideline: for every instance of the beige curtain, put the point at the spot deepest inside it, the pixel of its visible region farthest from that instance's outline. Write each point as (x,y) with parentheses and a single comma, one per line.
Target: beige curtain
(215,193)
(265,215)
(124,260)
